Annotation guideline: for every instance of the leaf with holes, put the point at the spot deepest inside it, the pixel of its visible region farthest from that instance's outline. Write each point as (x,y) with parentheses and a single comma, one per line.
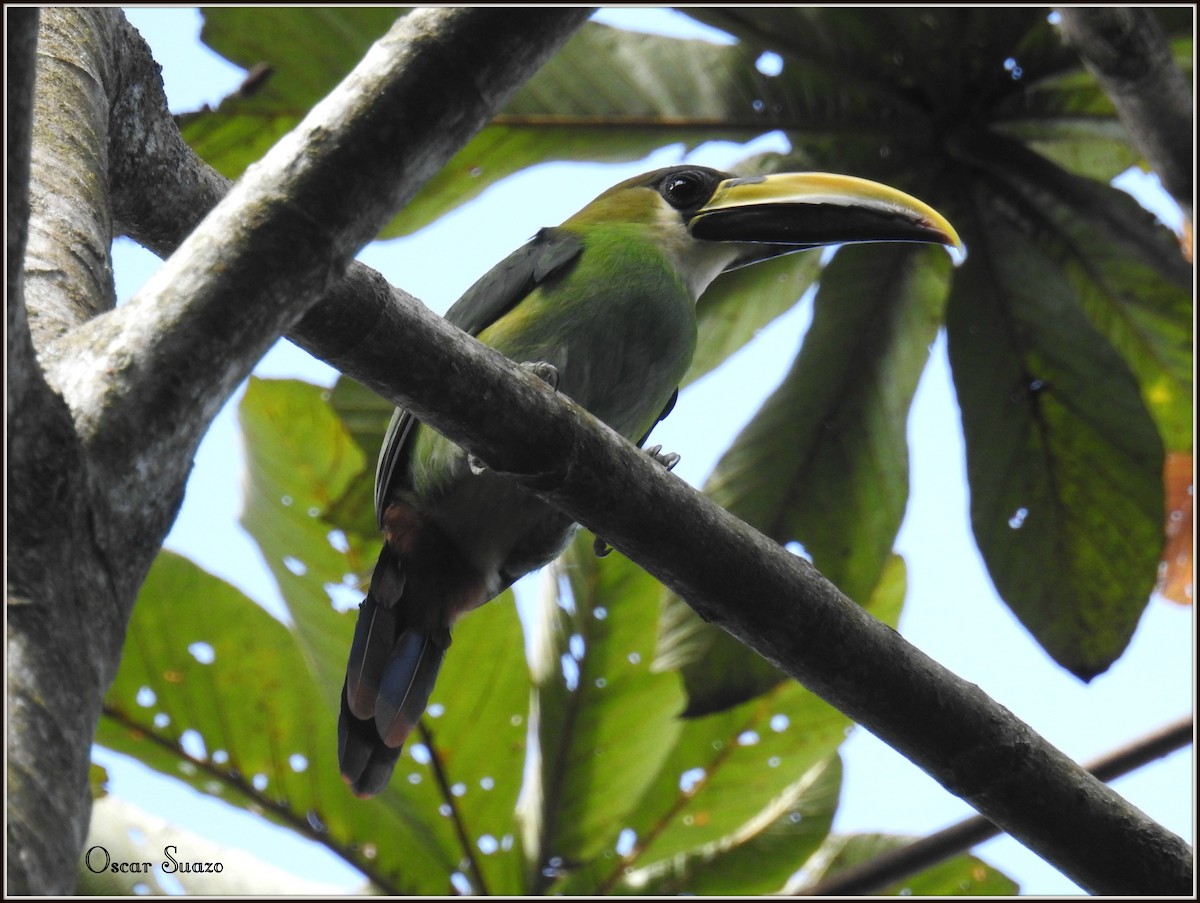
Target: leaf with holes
(214,691)
(605,722)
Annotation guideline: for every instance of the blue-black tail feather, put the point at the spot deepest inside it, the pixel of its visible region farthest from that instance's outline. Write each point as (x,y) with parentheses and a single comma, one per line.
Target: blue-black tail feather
(390,674)
(365,760)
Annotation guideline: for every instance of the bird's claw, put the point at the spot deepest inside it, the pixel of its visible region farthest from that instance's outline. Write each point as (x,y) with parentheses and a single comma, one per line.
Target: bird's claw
(544,371)
(600,547)
(668,460)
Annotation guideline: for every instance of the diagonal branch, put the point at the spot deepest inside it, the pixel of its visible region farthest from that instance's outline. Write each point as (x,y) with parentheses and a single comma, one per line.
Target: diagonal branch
(974,747)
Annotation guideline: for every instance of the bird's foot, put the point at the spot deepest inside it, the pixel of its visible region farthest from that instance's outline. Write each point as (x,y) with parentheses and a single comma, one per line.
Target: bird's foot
(667,460)
(544,371)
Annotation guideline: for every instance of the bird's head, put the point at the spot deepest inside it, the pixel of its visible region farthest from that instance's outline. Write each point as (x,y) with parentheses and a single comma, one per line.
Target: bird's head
(710,221)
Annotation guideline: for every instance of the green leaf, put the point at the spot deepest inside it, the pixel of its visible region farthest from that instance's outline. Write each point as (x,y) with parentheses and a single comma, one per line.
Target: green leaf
(720,782)
(739,304)
(761,855)
(215,692)
(825,461)
(194,646)
(604,721)
(718,671)
(1124,267)
(476,730)
(730,774)
(300,461)
(1064,462)
(962,875)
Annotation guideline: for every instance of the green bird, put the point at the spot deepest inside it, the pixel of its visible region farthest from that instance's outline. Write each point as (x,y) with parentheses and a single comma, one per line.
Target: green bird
(603,308)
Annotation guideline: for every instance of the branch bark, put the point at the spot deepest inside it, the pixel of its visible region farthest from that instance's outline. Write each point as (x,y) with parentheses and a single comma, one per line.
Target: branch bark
(107,405)
(1125,48)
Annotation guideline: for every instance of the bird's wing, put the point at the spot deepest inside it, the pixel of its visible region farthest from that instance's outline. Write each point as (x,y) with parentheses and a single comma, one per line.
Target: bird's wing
(548,254)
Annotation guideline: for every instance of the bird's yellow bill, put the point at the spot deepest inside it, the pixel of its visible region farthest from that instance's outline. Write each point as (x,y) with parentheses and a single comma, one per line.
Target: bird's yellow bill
(810,209)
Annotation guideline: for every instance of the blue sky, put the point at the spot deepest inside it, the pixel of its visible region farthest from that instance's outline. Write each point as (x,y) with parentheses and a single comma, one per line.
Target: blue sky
(952,612)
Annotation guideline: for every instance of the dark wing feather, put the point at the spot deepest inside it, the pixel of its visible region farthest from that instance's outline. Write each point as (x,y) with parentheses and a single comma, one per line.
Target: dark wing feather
(661,417)
(547,255)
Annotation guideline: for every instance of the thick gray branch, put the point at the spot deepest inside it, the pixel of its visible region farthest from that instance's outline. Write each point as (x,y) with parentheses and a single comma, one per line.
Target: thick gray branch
(67,266)
(21,44)
(1125,48)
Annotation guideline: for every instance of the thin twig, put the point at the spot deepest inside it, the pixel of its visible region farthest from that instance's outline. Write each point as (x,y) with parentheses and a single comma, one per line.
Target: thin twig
(895,865)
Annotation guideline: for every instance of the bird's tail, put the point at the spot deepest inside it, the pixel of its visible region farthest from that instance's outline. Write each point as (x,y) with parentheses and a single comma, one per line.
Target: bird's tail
(391,672)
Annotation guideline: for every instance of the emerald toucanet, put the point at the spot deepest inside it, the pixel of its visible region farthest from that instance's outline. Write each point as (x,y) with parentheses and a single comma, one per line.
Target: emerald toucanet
(604,308)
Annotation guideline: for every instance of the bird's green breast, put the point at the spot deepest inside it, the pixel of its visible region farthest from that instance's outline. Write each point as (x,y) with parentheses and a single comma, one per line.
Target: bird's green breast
(619,326)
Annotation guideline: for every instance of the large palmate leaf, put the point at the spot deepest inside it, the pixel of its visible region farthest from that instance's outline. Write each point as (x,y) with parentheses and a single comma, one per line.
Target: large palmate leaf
(1005,132)
(692,806)
(1064,460)
(825,461)
(607,95)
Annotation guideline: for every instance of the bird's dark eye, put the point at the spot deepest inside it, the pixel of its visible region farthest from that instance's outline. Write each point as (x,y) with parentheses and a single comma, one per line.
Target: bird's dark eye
(686,189)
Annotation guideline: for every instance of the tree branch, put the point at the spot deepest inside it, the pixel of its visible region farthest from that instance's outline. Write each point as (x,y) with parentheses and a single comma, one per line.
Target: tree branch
(1125,48)
(799,621)
(896,865)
